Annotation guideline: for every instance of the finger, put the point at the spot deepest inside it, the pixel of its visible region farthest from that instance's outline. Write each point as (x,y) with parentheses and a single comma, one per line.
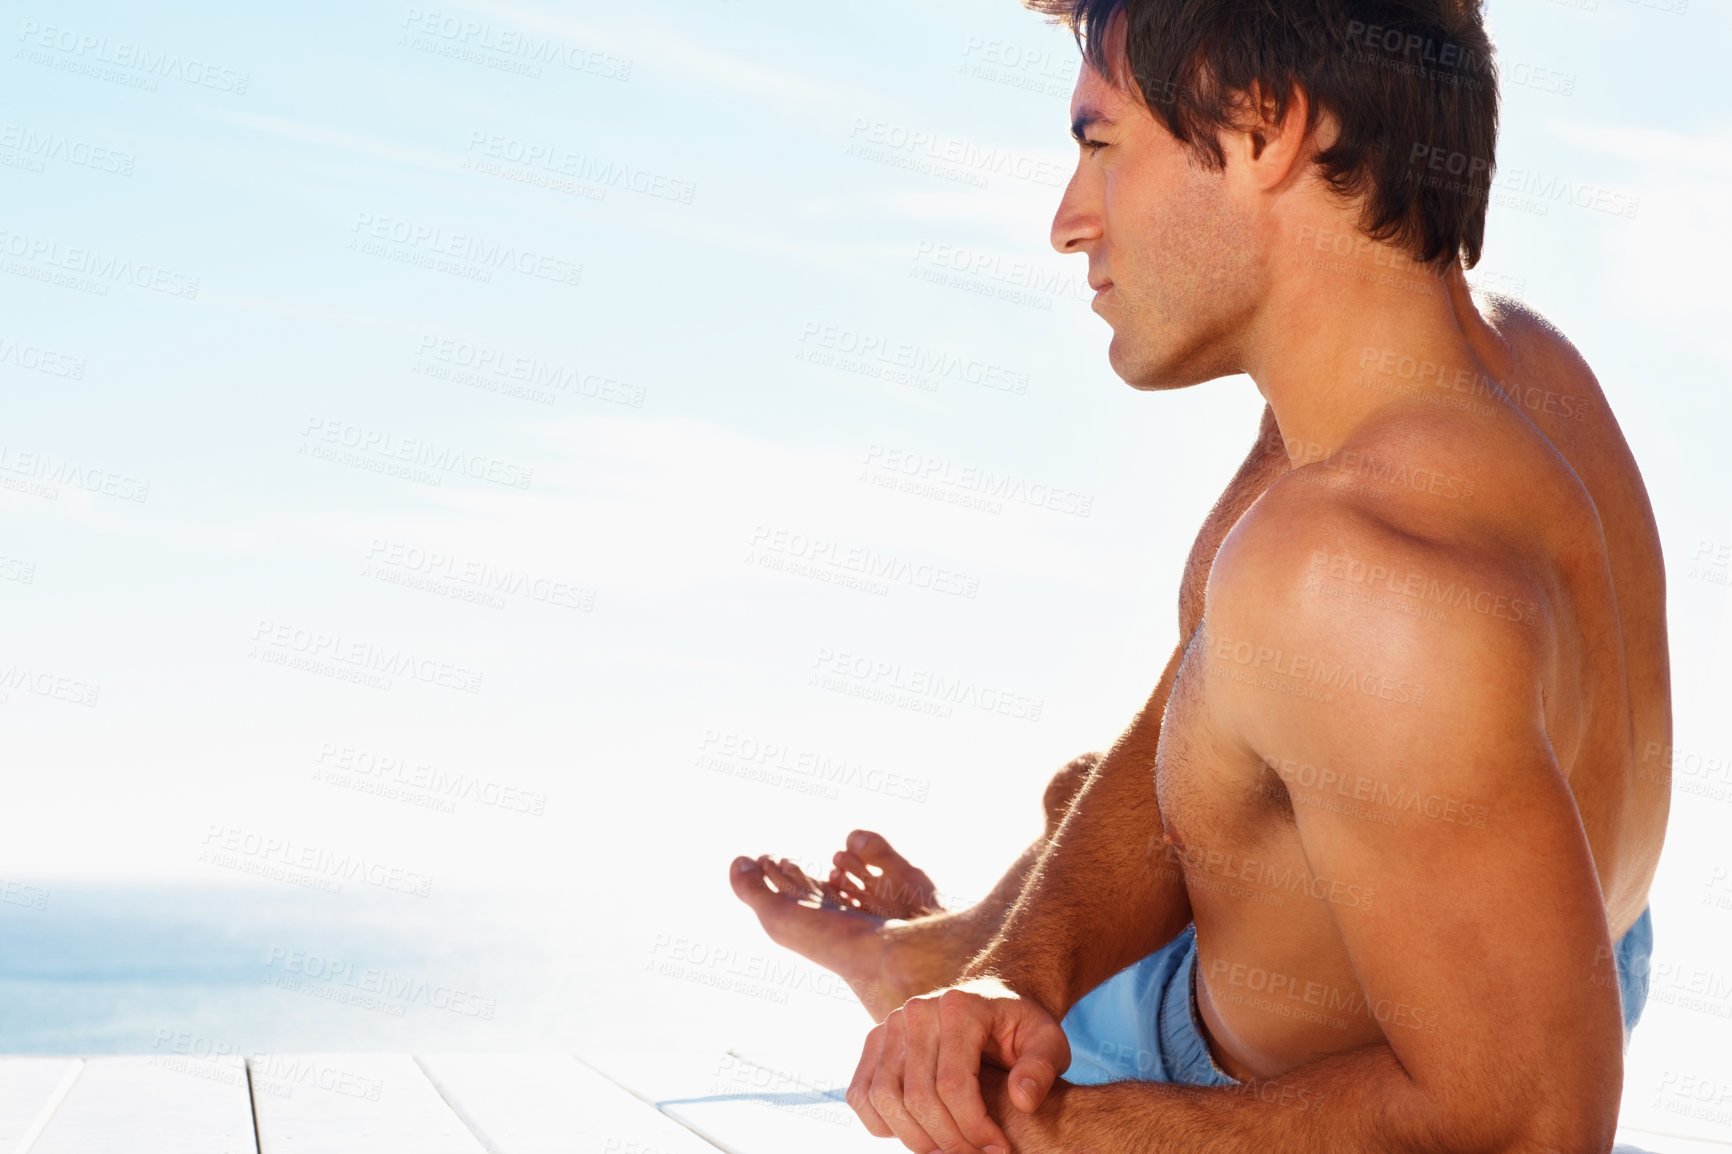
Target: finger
(1040,1052)
(920,1085)
(961,1039)
(886,1092)
(859,1094)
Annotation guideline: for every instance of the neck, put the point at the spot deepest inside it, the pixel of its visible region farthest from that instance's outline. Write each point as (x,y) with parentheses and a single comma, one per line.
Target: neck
(1337,344)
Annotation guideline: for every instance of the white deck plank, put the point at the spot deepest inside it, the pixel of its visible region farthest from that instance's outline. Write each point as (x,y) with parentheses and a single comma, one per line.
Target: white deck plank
(153,1105)
(30,1091)
(1633,1141)
(749,1104)
(352,1104)
(552,1104)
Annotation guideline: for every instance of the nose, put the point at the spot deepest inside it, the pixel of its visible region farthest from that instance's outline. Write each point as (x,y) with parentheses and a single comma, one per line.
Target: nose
(1077,223)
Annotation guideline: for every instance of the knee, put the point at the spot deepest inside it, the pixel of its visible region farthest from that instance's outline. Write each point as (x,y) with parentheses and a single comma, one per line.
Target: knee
(1064,787)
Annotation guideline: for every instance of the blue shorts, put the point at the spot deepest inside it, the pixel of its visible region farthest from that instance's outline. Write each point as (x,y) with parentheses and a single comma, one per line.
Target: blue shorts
(1142,1023)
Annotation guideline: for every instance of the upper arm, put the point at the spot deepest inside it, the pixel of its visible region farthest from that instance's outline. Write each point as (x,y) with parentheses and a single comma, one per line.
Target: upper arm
(1485,956)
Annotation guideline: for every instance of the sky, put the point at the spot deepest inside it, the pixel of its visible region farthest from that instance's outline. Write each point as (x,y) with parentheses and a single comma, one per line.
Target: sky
(448,438)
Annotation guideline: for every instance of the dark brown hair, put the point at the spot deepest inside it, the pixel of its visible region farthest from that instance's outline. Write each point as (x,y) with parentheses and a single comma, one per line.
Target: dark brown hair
(1411,83)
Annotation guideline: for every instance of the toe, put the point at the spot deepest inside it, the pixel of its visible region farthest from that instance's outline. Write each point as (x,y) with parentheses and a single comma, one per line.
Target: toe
(747,880)
(789,879)
(875,849)
(799,877)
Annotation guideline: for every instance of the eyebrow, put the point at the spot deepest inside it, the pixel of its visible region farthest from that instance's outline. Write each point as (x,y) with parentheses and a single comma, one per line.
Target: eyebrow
(1087,117)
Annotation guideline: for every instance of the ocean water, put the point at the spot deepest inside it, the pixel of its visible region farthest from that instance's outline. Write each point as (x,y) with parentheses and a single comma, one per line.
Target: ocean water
(140,969)
(187,969)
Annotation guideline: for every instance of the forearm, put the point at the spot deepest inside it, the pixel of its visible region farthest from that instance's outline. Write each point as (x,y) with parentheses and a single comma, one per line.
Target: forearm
(932,952)
(1102,894)
(1358,1102)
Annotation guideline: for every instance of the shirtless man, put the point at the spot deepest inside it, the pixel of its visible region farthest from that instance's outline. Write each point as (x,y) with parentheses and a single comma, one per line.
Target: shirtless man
(1369,871)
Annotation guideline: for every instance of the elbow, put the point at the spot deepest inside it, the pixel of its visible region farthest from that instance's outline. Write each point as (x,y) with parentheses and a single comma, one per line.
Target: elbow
(1540,1116)
(1568,1140)
(1573,1125)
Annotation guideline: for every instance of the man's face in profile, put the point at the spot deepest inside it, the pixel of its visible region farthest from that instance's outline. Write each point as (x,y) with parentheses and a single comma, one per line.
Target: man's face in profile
(1172,254)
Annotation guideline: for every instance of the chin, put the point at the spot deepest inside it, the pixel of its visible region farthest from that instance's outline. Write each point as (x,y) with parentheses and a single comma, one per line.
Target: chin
(1156,370)
(1143,370)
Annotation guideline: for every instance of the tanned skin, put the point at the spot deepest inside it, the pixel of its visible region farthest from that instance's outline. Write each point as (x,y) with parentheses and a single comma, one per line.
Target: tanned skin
(1397,773)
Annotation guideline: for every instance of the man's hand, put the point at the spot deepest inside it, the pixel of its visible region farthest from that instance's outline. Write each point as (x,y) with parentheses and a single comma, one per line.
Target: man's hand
(919,1075)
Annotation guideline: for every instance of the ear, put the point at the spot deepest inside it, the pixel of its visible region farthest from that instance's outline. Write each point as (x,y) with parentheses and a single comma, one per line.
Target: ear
(1269,147)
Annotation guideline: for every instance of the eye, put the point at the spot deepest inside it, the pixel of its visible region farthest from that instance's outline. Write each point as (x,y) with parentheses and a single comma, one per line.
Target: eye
(1091,146)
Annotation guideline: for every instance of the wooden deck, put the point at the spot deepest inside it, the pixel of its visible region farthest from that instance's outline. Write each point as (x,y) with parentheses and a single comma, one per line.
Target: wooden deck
(443,1104)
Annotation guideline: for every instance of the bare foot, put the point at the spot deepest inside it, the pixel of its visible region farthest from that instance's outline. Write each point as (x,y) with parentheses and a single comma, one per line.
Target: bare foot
(797,914)
(872,877)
